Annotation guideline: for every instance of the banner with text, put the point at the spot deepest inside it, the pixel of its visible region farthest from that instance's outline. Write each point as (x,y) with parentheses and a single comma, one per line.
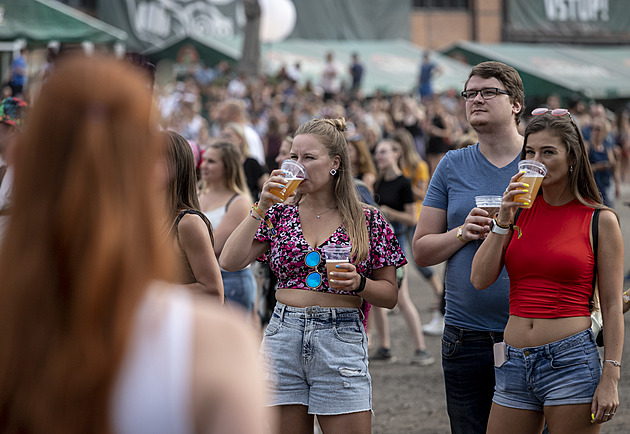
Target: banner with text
(572,21)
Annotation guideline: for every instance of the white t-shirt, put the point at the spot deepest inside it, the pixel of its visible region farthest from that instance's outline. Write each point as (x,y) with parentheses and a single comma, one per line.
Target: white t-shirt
(254,141)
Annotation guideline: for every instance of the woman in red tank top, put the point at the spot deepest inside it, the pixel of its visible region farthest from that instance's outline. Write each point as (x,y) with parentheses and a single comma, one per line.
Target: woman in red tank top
(548,368)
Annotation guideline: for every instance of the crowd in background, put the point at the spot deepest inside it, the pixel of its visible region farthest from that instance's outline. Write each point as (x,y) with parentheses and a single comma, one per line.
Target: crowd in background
(275,105)
(203,103)
(209,104)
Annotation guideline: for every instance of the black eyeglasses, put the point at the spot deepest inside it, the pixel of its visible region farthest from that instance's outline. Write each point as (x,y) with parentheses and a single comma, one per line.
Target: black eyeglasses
(486,93)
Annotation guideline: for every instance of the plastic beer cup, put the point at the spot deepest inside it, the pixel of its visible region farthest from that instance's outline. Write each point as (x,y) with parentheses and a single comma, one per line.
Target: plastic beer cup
(335,254)
(491,204)
(534,174)
(294,173)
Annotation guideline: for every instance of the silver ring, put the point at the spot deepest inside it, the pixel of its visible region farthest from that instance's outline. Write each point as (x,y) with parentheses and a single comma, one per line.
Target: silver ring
(609,414)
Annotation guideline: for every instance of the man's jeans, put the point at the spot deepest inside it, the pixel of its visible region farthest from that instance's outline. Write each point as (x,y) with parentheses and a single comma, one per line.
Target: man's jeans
(468,364)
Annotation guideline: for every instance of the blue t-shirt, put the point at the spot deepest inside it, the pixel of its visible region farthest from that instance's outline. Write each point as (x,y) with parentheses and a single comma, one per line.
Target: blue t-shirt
(18,79)
(461,175)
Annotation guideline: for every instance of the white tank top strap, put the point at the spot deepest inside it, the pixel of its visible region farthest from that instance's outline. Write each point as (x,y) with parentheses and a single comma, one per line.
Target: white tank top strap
(153,390)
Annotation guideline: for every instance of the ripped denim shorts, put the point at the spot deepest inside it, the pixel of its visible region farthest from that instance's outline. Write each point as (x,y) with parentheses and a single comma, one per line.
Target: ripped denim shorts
(317,357)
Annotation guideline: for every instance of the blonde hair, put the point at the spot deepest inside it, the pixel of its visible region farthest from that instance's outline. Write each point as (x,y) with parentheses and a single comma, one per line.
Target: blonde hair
(409,157)
(238,129)
(330,134)
(365,163)
(233,168)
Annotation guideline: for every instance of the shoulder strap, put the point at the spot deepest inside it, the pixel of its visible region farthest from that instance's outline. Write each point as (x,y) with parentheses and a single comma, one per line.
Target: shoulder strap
(230,201)
(200,215)
(518,212)
(594,234)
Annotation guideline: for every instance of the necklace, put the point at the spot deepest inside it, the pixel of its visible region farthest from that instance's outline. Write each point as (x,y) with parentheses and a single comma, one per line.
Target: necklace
(315,212)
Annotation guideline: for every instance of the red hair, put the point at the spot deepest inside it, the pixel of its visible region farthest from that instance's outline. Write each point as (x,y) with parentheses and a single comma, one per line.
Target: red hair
(84,240)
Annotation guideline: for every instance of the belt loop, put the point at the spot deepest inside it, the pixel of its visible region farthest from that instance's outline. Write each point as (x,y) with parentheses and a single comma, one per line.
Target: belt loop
(333,311)
(284,307)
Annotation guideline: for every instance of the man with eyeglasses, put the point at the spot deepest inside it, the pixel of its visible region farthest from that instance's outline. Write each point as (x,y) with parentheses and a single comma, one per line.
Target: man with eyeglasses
(451,229)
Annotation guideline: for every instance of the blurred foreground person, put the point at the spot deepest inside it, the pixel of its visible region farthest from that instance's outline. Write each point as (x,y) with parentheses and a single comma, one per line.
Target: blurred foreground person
(91,340)
(12,111)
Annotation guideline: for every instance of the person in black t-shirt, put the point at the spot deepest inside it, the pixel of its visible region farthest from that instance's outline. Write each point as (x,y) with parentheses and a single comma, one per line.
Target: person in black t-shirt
(395,198)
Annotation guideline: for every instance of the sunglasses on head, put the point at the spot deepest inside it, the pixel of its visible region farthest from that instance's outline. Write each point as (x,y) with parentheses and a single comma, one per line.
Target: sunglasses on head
(557,112)
(554,112)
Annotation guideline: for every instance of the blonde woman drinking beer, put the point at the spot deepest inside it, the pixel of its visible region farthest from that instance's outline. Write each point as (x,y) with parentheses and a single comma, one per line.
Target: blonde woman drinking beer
(315,347)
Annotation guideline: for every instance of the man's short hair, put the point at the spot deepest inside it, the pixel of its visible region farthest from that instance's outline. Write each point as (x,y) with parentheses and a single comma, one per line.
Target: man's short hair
(506,75)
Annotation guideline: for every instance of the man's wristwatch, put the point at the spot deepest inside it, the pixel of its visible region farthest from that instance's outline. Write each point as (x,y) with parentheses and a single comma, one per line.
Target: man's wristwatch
(626,297)
(498,229)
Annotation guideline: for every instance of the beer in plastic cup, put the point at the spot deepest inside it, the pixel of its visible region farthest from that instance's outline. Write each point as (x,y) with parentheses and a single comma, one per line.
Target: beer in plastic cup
(534,174)
(335,254)
(491,204)
(294,173)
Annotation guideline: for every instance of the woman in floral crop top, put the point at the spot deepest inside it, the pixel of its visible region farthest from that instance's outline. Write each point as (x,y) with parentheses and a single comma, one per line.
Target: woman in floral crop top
(549,367)
(315,346)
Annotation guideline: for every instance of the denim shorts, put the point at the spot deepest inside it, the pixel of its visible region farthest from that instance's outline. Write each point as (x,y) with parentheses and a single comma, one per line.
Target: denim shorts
(317,357)
(240,287)
(564,372)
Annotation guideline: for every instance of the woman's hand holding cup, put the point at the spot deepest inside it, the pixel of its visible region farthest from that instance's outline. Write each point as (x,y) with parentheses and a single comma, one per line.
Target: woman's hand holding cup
(509,204)
(276,181)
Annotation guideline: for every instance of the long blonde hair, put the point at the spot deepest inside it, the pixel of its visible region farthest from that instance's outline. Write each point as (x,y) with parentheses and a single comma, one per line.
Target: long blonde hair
(84,241)
(330,134)
(232,166)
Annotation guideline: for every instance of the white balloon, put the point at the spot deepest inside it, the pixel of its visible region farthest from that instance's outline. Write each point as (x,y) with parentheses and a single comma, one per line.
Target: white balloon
(277,19)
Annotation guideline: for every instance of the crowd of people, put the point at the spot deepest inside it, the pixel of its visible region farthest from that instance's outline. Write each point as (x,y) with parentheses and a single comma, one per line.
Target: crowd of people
(393,177)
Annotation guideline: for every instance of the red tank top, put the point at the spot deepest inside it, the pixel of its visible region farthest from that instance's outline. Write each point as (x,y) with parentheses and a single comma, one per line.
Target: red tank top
(551,265)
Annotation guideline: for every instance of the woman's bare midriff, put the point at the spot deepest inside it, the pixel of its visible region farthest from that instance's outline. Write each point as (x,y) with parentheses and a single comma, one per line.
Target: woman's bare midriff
(523,332)
(305,298)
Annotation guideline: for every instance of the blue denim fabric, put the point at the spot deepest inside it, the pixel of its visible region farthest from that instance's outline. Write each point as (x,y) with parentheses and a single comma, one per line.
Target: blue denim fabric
(565,372)
(240,287)
(468,364)
(317,357)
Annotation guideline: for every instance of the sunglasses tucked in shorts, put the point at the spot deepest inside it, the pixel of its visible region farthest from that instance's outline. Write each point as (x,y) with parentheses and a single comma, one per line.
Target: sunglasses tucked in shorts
(317,357)
(560,373)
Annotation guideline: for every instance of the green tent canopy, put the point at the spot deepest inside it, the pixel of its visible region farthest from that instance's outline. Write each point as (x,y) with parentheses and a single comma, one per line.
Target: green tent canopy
(391,66)
(185,49)
(601,73)
(41,21)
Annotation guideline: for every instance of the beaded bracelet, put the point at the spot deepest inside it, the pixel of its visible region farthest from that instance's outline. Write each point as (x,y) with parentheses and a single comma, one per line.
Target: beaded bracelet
(251,214)
(263,216)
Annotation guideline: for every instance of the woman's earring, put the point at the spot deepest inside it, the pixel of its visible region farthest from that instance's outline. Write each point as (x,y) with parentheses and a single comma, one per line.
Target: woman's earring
(570,169)
(333,172)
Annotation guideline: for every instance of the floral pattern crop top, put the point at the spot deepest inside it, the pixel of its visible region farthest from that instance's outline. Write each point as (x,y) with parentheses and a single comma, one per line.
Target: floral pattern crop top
(289,248)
